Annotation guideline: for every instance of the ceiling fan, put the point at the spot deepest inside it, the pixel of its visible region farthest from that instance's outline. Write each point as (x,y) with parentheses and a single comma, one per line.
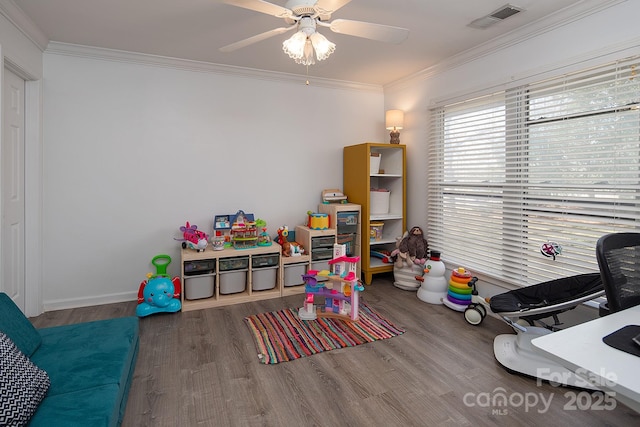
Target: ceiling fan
(305,16)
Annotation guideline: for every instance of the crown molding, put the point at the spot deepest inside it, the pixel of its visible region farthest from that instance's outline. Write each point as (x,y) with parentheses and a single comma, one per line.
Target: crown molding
(535,29)
(57,48)
(585,60)
(22,22)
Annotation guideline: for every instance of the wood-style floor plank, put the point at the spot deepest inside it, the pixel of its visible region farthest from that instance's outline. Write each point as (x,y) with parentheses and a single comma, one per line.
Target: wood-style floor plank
(200,368)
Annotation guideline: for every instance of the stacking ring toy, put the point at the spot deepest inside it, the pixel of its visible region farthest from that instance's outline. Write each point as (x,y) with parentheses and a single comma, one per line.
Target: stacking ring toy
(457,301)
(465,291)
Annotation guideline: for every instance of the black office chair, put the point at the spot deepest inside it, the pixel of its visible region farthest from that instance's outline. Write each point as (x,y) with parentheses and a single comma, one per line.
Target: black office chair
(618,256)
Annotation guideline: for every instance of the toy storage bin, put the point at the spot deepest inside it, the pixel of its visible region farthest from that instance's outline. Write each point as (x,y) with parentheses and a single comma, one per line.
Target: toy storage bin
(347,222)
(232,282)
(293,274)
(375,231)
(322,253)
(322,242)
(374,163)
(233,274)
(379,202)
(263,278)
(199,287)
(264,270)
(319,266)
(270,260)
(235,263)
(205,266)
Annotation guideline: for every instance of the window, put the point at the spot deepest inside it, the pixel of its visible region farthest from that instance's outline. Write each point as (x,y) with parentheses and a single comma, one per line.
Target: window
(557,161)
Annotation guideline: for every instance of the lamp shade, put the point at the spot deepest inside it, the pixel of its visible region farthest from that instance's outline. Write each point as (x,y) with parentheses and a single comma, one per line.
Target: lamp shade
(394,119)
(306,44)
(322,46)
(294,45)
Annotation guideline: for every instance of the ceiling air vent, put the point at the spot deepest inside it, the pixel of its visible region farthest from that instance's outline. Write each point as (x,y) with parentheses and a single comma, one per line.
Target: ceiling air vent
(503,13)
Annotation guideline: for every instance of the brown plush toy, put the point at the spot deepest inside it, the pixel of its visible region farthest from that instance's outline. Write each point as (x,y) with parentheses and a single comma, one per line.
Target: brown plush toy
(413,248)
(288,248)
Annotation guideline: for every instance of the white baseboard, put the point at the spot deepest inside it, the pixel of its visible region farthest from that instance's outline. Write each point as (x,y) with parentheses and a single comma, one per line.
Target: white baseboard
(63,304)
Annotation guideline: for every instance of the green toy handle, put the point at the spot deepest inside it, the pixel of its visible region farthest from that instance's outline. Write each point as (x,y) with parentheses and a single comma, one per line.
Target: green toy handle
(161,262)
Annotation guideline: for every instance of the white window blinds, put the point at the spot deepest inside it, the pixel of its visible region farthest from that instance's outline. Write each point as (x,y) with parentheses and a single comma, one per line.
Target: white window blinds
(557,161)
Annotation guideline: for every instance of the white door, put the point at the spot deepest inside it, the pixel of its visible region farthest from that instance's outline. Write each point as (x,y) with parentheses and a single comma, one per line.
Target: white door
(12,167)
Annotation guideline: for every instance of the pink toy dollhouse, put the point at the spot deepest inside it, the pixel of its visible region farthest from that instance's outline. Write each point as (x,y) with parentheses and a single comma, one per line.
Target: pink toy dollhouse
(340,290)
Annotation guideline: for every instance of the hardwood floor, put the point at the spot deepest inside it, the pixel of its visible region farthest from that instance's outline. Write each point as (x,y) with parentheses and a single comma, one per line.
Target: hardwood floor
(200,368)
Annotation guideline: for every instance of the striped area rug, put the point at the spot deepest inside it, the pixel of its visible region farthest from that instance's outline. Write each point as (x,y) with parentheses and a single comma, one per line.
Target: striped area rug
(281,336)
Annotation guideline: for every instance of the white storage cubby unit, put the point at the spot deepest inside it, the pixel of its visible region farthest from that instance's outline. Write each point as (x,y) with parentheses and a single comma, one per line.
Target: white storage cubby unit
(345,219)
(230,276)
(318,245)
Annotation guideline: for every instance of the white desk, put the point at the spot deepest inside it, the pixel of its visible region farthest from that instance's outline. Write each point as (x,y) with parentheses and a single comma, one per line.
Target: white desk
(581,349)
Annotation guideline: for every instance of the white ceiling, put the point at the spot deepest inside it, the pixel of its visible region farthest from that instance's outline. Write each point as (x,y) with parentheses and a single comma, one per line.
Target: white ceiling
(196,29)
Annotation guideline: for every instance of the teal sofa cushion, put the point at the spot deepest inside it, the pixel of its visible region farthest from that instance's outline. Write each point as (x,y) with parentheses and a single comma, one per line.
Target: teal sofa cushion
(95,359)
(90,366)
(97,406)
(85,355)
(17,327)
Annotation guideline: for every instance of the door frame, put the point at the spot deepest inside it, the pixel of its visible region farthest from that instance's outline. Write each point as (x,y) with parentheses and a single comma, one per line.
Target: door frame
(33,179)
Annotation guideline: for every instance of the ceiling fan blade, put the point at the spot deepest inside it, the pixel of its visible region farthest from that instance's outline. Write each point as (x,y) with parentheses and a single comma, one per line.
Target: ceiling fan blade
(261,6)
(251,40)
(330,6)
(368,30)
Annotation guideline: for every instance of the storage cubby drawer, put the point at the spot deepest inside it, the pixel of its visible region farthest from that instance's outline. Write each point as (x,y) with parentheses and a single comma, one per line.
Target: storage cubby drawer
(322,254)
(322,242)
(269,260)
(235,263)
(205,266)
(347,222)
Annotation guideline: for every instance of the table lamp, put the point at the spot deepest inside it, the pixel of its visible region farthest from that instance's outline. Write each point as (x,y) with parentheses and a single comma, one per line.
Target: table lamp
(394,120)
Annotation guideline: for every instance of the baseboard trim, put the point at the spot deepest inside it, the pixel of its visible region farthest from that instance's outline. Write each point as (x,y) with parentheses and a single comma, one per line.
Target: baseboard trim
(63,304)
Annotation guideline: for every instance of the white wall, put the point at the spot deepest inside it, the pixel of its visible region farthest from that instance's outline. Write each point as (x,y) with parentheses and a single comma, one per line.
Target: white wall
(580,41)
(132,151)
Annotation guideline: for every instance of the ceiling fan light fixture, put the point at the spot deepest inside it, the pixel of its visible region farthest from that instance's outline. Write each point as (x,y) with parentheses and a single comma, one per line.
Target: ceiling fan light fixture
(304,16)
(307,45)
(294,45)
(322,46)
(307,56)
